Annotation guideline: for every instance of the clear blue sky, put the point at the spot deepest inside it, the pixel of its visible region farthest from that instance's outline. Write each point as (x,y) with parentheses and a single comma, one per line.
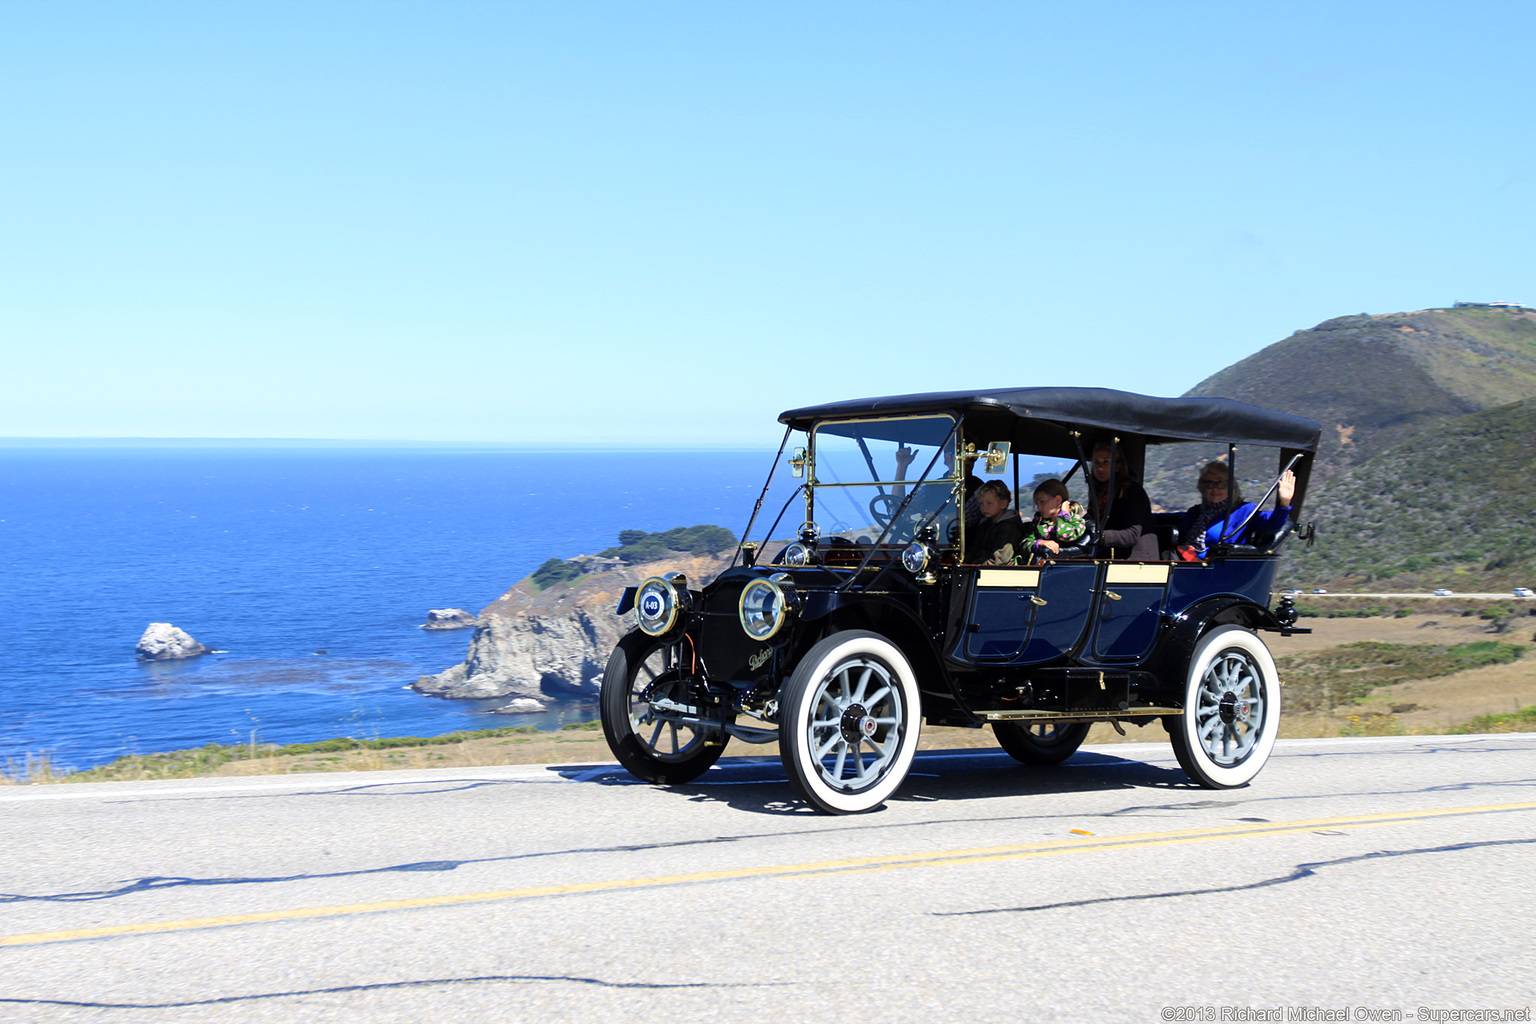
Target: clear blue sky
(664,223)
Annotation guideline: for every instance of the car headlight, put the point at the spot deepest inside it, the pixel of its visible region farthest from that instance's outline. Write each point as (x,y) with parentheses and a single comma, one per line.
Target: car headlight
(766,604)
(916,556)
(796,554)
(659,602)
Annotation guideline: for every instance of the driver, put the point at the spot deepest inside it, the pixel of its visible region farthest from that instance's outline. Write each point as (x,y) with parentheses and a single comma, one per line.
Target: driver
(931,499)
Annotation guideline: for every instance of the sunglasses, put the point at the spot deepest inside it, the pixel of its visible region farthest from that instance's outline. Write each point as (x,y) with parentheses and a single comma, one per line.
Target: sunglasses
(1211,485)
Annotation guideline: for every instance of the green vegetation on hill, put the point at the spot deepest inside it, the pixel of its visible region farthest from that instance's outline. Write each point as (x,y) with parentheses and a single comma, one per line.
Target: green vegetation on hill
(637,546)
(1451,505)
(1373,382)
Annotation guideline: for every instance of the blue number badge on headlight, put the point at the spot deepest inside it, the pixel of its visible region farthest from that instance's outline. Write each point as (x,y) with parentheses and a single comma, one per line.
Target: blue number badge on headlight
(656,606)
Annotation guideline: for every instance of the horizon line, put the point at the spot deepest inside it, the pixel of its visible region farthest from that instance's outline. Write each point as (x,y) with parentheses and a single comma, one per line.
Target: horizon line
(577,447)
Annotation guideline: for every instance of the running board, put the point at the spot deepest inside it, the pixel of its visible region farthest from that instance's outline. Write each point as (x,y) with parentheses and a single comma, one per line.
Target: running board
(1078,716)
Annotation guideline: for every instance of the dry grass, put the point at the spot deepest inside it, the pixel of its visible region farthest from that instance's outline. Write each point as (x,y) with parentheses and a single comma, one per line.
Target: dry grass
(1490,698)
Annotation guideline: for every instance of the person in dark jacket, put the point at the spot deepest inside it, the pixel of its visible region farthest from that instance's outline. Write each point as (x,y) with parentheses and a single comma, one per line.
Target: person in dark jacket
(1222,515)
(998,539)
(1128,532)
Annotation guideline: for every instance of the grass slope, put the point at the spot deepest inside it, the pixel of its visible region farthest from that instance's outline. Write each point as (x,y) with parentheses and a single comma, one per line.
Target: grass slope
(1449,507)
(1373,382)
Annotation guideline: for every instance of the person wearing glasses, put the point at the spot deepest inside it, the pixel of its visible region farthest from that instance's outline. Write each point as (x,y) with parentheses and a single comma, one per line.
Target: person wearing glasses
(1223,516)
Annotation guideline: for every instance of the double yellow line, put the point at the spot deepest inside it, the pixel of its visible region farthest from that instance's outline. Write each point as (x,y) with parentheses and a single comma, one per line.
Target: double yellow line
(939,858)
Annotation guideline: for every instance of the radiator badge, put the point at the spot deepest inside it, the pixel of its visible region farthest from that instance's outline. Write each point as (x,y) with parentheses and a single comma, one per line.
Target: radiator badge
(760,659)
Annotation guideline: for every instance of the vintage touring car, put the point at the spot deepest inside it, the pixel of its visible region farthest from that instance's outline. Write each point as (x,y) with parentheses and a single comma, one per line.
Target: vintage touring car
(871,621)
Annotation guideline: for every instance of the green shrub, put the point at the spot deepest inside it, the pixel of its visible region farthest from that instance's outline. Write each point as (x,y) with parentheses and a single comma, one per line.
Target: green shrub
(637,546)
(1523,720)
(555,570)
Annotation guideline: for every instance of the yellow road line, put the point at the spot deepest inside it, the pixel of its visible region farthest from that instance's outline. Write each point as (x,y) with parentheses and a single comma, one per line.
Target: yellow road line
(937,858)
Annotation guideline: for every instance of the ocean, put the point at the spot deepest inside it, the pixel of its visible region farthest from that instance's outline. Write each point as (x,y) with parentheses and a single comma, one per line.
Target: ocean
(311,568)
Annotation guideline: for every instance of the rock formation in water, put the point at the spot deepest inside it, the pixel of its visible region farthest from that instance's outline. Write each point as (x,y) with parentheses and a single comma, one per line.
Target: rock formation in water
(521,706)
(448,618)
(164,642)
(555,642)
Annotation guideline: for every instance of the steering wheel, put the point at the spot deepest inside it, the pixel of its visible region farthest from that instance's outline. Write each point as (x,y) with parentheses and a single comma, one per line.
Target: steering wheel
(883,507)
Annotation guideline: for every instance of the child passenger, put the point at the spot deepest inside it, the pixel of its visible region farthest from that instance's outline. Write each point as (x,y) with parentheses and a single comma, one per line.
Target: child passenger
(998,538)
(1058,520)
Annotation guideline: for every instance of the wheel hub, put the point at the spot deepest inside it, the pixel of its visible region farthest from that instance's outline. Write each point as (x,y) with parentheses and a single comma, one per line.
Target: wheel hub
(856,723)
(1234,708)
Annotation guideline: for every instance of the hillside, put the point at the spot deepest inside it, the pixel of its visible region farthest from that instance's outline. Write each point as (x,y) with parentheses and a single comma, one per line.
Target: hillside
(1450,507)
(1375,381)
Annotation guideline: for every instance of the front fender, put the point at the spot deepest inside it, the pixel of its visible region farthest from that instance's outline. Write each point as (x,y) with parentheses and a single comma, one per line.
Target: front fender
(1171,662)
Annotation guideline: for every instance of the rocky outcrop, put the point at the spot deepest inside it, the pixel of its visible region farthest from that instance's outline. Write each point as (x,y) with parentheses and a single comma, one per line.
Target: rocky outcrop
(555,642)
(164,642)
(521,706)
(448,618)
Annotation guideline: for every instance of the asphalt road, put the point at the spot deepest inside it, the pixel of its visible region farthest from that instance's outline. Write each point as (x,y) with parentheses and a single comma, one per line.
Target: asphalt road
(1377,875)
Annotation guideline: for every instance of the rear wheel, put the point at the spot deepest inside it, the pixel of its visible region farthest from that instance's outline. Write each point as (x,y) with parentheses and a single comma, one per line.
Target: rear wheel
(1040,743)
(1231,709)
(642,672)
(849,722)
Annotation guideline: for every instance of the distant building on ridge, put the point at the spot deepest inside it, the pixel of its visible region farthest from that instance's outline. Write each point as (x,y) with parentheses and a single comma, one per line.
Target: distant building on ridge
(1517,307)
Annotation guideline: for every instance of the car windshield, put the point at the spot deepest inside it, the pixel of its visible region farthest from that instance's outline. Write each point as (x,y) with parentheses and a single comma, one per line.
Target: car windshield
(864,470)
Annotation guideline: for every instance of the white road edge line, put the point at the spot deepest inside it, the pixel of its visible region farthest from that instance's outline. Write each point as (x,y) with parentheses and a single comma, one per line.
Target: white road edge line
(1127,753)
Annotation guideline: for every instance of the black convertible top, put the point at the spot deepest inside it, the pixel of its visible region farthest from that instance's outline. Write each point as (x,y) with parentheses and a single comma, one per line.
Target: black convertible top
(1041,419)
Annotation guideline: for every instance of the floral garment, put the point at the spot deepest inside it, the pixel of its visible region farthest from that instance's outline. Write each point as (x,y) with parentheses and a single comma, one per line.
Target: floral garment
(1067,528)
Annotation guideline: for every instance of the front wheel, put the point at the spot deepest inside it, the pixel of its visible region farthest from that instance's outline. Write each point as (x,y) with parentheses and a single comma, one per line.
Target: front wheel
(849,722)
(1231,709)
(1040,743)
(643,672)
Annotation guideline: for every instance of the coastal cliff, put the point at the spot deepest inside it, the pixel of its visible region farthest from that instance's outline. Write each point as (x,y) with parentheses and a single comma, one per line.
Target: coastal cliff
(554,641)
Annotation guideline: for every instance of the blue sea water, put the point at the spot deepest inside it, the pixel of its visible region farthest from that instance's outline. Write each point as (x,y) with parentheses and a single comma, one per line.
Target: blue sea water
(272,554)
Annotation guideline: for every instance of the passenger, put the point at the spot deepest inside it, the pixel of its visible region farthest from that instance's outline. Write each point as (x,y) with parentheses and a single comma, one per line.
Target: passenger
(1129,531)
(998,539)
(1222,511)
(1058,520)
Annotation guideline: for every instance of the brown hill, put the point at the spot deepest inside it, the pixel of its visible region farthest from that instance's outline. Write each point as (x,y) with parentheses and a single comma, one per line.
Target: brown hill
(1375,381)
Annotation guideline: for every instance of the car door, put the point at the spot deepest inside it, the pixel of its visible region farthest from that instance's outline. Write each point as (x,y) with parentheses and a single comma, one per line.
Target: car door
(1025,615)
(1131,602)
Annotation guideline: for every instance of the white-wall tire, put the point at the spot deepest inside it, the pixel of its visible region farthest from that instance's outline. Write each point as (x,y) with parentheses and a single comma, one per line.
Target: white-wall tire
(1231,709)
(849,722)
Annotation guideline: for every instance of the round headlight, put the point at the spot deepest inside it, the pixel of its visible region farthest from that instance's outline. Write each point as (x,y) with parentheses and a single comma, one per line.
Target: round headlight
(765,606)
(915,557)
(796,554)
(656,606)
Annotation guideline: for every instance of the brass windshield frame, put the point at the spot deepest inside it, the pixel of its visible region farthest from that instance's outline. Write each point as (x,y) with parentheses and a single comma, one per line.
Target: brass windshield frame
(956,479)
